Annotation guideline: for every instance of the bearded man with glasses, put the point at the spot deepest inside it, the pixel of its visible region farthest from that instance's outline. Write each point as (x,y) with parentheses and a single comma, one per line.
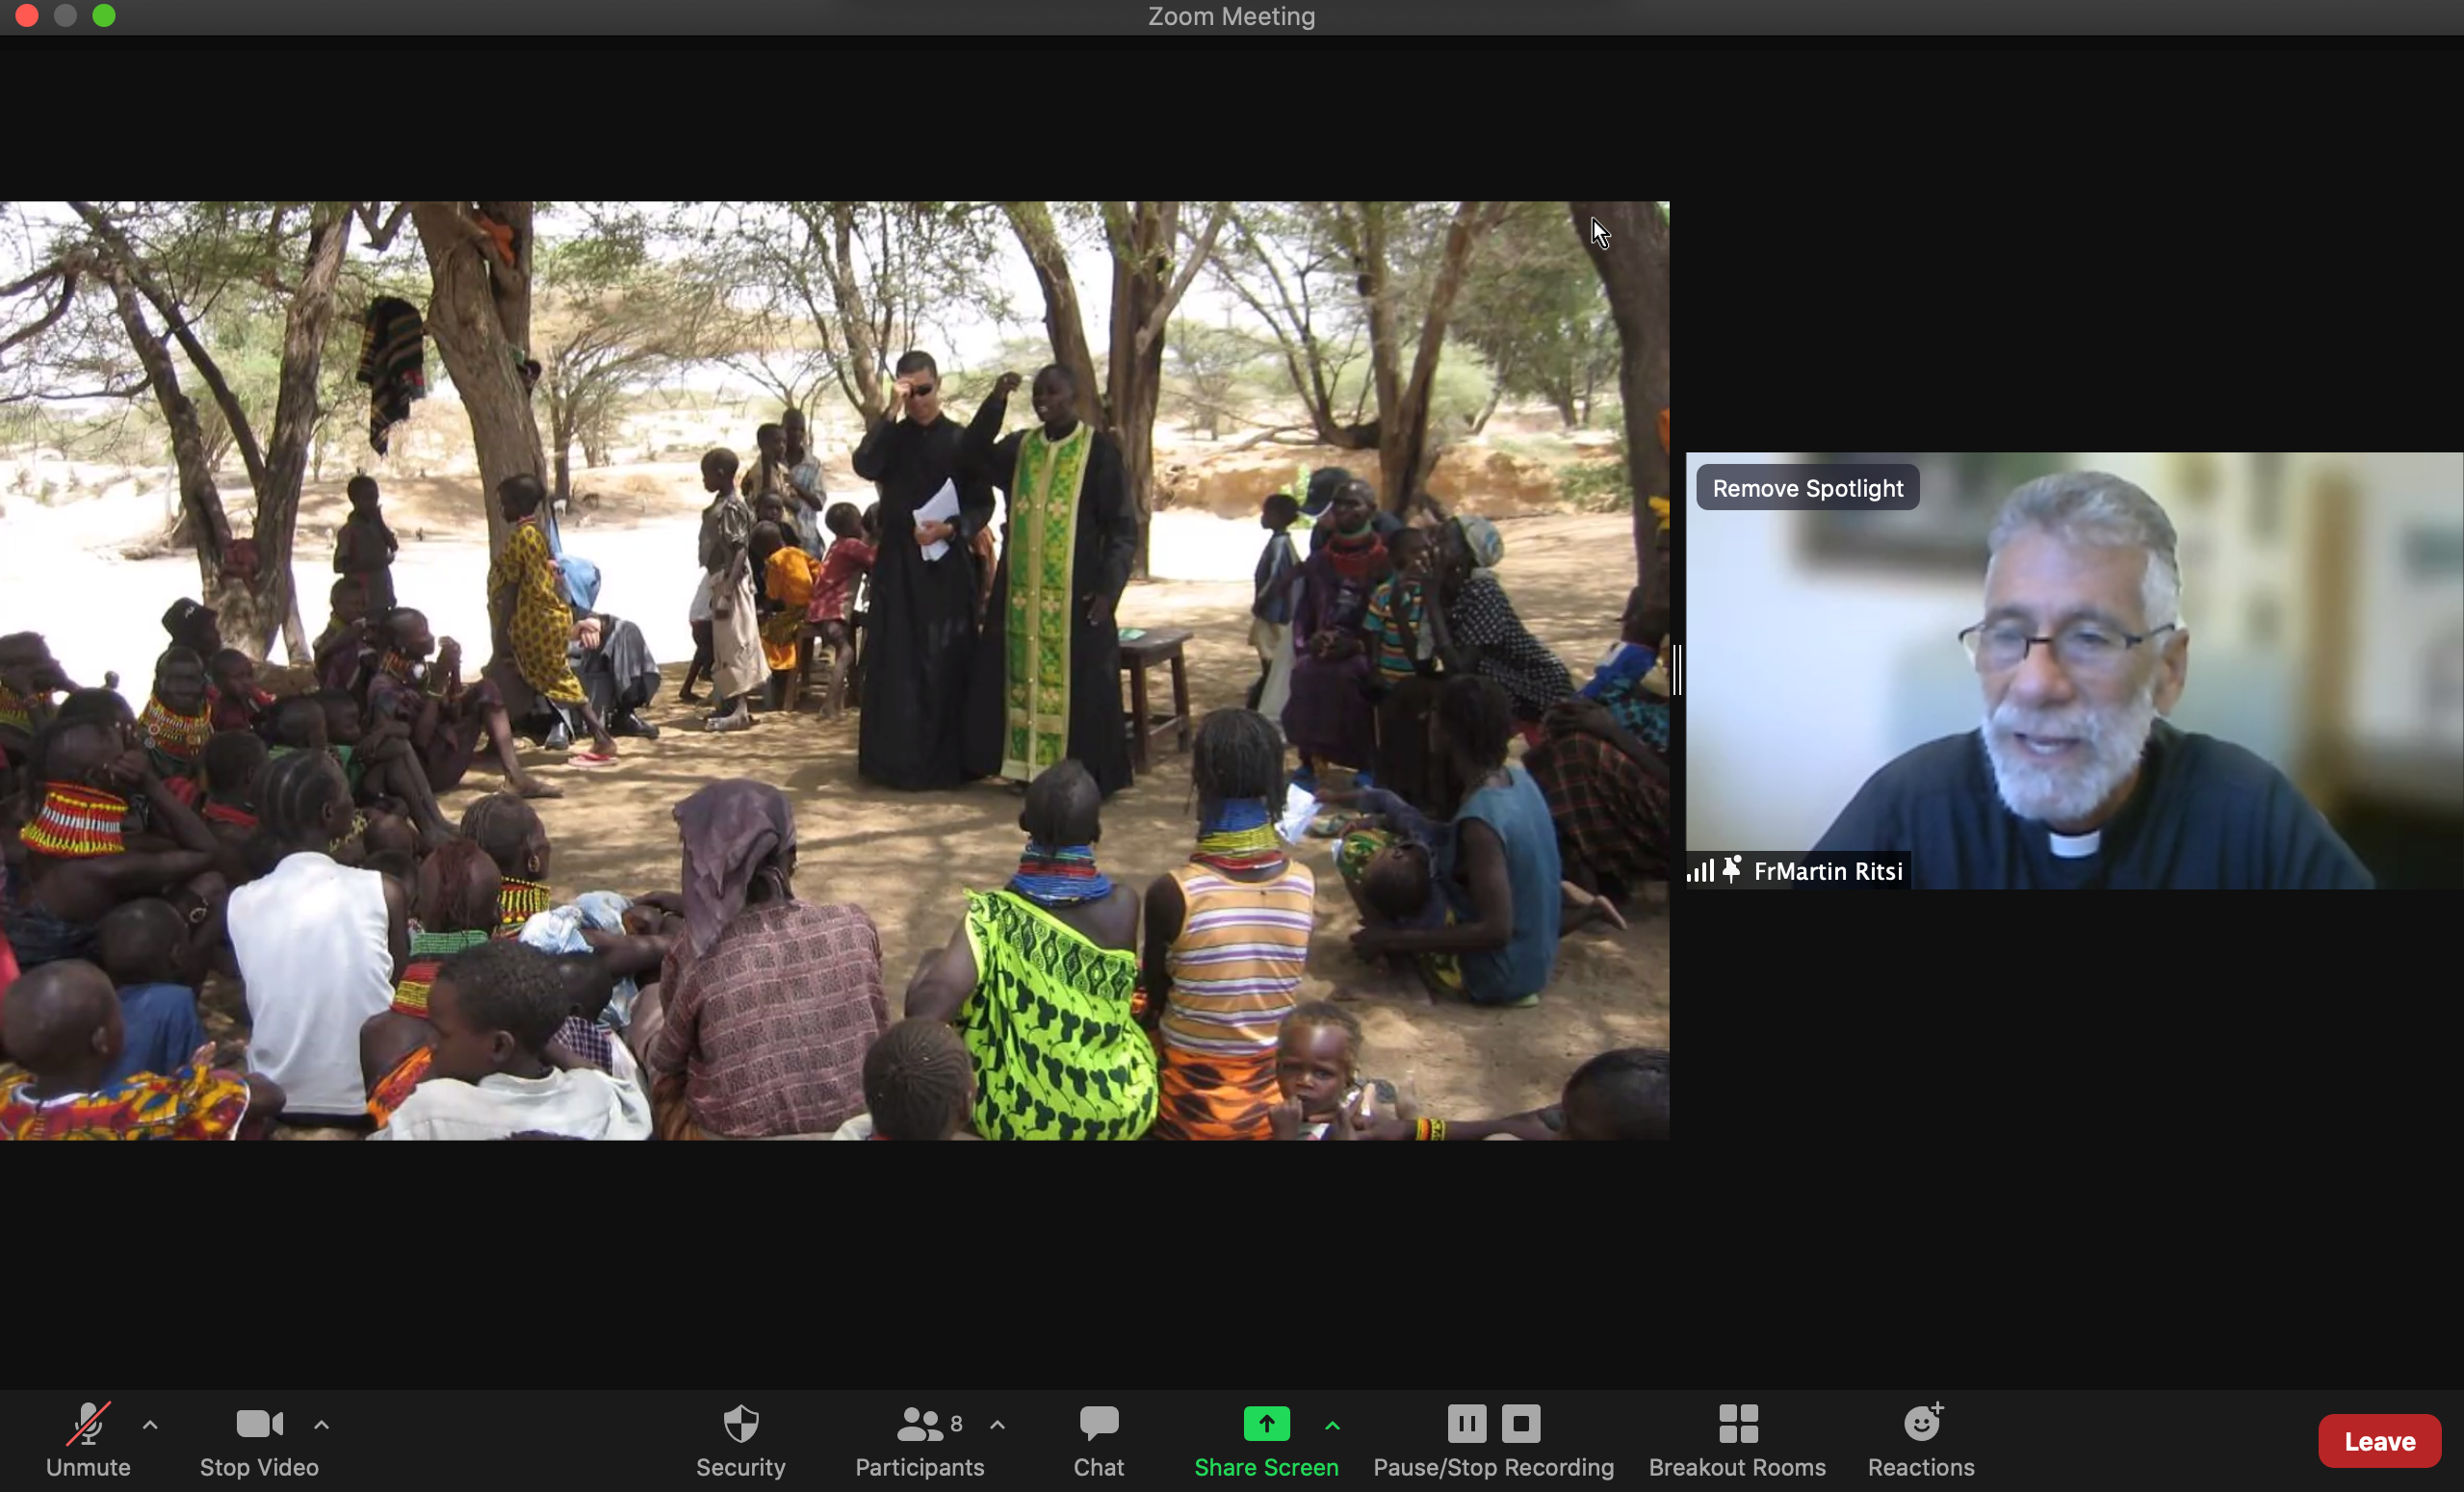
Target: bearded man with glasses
(2075,780)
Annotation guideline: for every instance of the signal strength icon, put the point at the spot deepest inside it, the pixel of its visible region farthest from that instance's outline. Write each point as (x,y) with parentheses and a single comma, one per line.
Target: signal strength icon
(1708,873)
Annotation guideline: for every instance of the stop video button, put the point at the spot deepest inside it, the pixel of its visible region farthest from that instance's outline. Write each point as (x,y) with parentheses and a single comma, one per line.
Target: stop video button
(2378,1440)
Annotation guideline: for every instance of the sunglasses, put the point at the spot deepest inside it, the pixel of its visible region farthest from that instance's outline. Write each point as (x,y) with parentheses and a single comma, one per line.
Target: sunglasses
(919,390)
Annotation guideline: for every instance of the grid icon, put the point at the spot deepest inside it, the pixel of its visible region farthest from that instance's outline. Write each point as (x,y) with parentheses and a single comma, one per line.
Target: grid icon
(1730,1414)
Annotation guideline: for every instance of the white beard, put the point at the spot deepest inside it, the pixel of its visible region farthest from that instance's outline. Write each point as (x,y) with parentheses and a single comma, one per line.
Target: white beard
(2114,739)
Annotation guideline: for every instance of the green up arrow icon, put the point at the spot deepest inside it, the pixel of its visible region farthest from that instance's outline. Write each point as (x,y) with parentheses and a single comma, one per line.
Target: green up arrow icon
(1266,1421)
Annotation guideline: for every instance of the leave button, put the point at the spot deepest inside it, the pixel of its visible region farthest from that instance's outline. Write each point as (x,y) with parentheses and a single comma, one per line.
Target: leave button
(2378,1440)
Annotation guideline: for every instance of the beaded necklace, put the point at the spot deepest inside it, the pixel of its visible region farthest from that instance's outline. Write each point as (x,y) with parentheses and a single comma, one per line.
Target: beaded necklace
(76,822)
(404,668)
(1238,836)
(519,901)
(15,711)
(1059,878)
(180,737)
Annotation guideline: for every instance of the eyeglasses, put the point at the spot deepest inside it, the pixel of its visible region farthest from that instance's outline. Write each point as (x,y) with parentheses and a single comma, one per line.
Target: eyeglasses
(919,390)
(2086,649)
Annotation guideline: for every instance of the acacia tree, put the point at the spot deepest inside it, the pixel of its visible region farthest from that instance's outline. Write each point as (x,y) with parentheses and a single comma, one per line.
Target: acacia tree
(1405,454)
(219,245)
(1533,306)
(1279,265)
(1634,271)
(1395,259)
(607,320)
(1146,284)
(843,287)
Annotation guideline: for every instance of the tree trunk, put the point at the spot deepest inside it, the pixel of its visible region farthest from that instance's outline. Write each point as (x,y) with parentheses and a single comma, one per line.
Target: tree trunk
(1496,392)
(480,315)
(200,503)
(560,424)
(1032,222)
(855,323)
(1406,454)
(1634,271)
(304,328)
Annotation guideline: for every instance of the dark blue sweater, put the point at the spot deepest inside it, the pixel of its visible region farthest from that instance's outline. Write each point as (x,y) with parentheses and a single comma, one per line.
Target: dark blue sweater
(2206,815)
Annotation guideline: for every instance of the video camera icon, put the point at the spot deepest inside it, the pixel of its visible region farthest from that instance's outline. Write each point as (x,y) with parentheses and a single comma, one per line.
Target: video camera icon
(257,1425)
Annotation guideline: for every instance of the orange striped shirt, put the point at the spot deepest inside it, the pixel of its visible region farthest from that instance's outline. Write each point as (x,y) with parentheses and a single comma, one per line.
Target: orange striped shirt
(1236,965)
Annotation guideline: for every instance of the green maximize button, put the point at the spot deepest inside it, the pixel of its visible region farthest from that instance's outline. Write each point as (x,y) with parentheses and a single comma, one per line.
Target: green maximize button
(1266,1421)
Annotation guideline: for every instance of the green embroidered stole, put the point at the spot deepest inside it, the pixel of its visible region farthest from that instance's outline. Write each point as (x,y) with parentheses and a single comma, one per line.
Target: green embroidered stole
(1043,611)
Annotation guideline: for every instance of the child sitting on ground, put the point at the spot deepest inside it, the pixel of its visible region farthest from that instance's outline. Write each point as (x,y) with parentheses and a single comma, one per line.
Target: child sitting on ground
(1317,1065)
(232,761)
(343,650)
(453,907)
(496,1069)
(384,769)
(833,606)
(787,590)
(232,694)
(919,1084)
(152,954)
(1387,858)
(177,722)
(64,1024)
(1621,1094)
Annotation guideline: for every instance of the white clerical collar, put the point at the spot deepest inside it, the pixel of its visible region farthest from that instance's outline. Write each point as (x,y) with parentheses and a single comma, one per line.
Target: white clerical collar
(2075,846)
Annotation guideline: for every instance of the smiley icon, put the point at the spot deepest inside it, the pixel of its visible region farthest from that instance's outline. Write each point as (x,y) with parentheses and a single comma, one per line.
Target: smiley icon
(1923,1423)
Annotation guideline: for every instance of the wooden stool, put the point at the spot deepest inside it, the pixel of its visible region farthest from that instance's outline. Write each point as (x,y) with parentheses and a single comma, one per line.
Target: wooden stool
(1136,657)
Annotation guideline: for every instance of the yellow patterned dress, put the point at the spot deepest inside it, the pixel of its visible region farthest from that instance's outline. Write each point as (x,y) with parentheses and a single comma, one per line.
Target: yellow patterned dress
(1043,517)
(542,620)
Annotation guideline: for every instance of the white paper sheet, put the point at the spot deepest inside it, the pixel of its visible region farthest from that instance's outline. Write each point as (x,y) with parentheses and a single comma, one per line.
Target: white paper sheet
(1299,809)
(941,509)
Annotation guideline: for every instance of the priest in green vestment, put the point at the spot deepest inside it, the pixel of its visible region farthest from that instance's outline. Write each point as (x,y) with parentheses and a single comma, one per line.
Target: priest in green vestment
(1047,681)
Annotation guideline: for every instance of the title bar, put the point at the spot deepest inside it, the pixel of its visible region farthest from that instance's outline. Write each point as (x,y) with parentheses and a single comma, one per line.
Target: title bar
(946,18)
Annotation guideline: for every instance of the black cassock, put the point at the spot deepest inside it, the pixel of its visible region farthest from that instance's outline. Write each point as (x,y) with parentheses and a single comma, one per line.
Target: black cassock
(922,618)
(1105,543)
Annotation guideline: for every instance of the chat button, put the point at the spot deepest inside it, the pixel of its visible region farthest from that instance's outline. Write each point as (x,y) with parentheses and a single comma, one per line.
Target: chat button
(1098,1420)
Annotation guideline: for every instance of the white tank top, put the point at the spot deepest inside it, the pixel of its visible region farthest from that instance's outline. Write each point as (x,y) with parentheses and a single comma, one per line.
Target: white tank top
(311,939)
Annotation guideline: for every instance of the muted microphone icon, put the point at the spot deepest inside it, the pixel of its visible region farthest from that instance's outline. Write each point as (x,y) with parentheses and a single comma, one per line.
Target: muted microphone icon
(84,1413)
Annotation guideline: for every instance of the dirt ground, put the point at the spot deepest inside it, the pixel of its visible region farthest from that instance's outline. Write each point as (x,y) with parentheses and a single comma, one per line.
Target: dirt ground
(905,857)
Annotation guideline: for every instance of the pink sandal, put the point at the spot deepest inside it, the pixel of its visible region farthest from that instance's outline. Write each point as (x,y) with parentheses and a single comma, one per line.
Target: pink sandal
(589,760)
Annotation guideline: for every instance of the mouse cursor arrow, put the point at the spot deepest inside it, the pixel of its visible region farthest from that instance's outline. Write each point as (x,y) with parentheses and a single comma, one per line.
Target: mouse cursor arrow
(1599,234)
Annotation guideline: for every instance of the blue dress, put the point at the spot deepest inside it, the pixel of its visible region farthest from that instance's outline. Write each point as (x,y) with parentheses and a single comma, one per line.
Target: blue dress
(1521,817)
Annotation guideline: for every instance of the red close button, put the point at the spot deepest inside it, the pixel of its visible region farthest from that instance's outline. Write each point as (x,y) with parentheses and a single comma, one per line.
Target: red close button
(2378,1440)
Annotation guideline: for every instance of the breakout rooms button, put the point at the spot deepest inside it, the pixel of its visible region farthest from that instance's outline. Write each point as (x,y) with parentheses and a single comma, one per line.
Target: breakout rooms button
(2378,1440)
(1778,486)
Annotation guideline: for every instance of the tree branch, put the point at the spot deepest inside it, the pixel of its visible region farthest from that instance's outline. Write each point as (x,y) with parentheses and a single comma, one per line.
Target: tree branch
(1189,266)
(381,239)
(67,293)
(233,414)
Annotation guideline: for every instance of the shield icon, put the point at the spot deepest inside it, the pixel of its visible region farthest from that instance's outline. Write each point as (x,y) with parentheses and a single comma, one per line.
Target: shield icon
(740,1424)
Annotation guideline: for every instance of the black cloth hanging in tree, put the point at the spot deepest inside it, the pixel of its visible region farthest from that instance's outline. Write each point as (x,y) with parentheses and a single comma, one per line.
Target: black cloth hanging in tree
(390,353)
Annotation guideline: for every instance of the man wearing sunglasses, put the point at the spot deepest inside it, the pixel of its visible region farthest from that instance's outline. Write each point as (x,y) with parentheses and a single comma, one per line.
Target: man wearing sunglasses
(2074,780)
(921,623)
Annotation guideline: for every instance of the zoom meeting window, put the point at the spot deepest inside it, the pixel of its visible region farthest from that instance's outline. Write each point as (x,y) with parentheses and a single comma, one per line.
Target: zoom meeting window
(2038,671)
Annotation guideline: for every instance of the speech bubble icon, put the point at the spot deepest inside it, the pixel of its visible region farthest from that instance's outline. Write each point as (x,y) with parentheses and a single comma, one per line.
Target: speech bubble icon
(1100,1420)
